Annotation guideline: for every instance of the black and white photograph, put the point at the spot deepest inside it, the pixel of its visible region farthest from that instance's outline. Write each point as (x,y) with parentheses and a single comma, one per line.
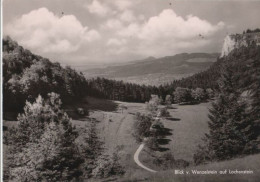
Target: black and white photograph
(130,91)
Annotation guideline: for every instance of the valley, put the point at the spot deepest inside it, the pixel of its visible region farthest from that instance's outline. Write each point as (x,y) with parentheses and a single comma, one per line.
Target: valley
(154,71)
(117,131)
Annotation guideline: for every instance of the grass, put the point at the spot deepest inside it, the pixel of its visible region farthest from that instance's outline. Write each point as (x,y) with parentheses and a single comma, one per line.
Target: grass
(89,104)
(188,126)
(246,163)
(187,123)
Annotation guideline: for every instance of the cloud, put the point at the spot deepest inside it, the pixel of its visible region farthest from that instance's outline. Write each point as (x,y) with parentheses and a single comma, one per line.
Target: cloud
(97,8)
(123,4)
(168,33)
(116,42)
(113,24)
(132,30)
(42,31)
(169,25)
(127,16)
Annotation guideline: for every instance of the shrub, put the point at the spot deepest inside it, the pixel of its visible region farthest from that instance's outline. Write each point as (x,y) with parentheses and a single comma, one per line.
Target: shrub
(108,166)
(164,112)
(152,143)
(198,95)
(168,100)
(203,154)
(142,126)
(152,105)
(210,93)
(166,161)
(182,95)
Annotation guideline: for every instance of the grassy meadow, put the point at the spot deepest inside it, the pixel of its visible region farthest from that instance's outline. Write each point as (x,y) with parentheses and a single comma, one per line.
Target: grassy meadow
(187,125)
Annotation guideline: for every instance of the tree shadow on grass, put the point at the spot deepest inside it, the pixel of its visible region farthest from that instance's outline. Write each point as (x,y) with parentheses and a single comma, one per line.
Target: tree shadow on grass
(189,103)
(171,107)
(162,149)
(163,132)
(173,119)
(89,104)
(163,141)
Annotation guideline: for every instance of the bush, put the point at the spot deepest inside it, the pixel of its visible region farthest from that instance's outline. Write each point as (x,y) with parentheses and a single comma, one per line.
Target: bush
(210,93)
(164,112)
(203,153)
(168,100)
(198,95)
(82,111)
(152,105)
(142,126)
(152,143)
(108,166)
(182,95)
(166,161)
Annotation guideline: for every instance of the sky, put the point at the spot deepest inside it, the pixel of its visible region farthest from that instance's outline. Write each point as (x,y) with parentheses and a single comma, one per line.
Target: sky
(103,31)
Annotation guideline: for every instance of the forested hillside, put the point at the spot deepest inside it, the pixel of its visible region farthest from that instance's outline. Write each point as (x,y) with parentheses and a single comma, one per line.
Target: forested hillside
(156,71)
(26,75)
(118,90)
(234,117)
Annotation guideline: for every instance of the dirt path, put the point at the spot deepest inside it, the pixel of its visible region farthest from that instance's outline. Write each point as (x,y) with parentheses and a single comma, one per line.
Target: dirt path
(121,122)
(136,159)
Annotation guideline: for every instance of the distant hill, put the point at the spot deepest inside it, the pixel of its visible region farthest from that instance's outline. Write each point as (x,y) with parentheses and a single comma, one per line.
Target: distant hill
(156,71)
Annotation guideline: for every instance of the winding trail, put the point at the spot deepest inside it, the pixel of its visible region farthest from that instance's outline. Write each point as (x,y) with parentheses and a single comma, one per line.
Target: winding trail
(136,159)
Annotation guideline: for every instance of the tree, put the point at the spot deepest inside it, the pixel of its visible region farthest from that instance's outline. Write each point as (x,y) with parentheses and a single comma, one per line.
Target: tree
(182,95)
(92,150)
(168,100)
(230,126)
(198,94)
(163,112)
(252,75)
(142,126)
(108,165)
(44,144)
(210,93)
(152,105)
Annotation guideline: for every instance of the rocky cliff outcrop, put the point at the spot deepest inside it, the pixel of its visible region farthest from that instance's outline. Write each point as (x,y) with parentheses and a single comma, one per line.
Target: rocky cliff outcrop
(238,40)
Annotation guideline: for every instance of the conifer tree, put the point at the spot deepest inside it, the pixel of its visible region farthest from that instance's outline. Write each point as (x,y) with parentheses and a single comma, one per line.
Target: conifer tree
(252,75)
(228,119)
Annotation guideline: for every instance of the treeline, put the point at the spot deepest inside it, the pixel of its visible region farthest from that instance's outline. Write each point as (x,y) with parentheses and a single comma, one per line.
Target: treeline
(118,90)
(205,79)
(129,92)
(252,31)
(192,96)
(26,75)
(234,117)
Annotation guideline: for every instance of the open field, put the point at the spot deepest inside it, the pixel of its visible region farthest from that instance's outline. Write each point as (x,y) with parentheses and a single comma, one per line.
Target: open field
(187,125)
